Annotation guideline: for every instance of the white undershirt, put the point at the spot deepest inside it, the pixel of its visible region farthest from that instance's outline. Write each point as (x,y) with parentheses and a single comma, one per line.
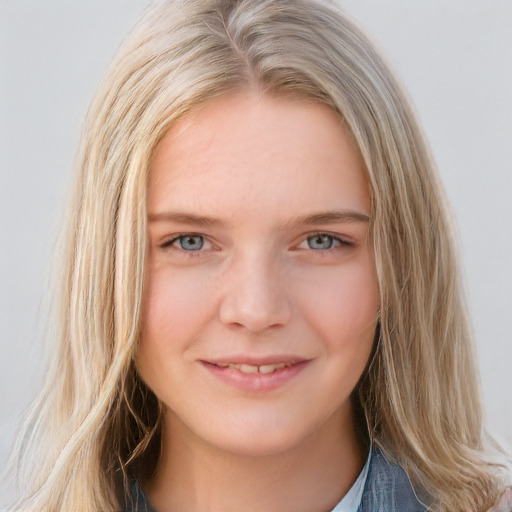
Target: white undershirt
(351,500)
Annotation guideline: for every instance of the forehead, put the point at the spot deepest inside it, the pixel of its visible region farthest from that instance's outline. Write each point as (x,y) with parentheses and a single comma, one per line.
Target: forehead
(246,152)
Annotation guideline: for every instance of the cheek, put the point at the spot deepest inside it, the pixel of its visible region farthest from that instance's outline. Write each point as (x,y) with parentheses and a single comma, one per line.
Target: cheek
(176,305)
(341,302)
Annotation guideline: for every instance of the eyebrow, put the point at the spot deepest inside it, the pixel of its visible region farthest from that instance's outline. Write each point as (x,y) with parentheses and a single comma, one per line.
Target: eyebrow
(327,217)
(186,218)
(331,217)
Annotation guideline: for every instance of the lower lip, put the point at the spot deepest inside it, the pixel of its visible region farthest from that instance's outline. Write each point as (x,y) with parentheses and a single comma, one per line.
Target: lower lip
(256,382)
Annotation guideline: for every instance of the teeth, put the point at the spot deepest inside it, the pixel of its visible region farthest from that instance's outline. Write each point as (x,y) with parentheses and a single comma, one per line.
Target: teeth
(269,368)
(249,368)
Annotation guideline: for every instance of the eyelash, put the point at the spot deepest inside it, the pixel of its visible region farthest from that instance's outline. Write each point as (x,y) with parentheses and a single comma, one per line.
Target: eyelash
(338,243)
(168,244)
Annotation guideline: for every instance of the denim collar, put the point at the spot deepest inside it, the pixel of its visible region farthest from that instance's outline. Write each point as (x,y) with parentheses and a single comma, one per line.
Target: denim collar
(388,488)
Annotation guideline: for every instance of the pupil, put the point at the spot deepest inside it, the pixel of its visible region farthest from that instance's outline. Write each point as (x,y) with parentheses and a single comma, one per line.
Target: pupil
(191,243)
(320,242)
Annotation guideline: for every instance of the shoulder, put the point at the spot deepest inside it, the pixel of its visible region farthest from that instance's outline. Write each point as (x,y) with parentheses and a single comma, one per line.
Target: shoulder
(388,488)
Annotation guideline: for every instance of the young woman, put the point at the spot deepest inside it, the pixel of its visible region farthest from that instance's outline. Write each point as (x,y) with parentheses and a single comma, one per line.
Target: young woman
(260,306)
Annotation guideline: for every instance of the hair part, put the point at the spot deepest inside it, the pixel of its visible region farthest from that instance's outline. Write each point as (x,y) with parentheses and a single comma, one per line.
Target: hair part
(95,423)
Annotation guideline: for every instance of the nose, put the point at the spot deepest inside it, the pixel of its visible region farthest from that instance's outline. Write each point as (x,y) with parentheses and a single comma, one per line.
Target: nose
(254,294)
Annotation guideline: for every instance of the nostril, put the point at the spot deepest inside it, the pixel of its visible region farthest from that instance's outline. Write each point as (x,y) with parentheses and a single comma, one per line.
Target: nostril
(253,295)
(254,319)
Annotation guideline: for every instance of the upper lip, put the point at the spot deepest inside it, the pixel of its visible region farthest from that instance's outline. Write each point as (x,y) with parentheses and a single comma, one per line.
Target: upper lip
(257,361)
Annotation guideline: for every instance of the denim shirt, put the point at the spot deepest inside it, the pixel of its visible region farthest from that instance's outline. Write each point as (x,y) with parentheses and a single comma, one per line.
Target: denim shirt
(387,489)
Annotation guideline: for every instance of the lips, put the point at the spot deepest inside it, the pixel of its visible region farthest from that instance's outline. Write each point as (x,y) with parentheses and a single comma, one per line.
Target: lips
(250,374)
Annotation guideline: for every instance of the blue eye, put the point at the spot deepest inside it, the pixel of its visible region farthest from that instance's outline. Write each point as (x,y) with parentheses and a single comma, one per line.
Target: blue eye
(321,242)
(190,242)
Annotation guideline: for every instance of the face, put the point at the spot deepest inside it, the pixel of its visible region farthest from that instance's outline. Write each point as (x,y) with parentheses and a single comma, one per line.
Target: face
(261,298)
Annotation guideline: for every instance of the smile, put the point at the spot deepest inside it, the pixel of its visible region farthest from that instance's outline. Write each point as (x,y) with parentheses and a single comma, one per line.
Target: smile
(257,376)
(250,368)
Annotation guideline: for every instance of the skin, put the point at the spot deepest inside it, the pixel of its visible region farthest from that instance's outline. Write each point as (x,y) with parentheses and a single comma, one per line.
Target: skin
(258,213)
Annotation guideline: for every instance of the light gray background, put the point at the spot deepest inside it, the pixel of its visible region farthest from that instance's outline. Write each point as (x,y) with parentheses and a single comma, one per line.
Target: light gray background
(454,57)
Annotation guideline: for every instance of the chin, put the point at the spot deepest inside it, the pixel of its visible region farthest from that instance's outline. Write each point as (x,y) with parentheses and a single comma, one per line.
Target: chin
(257,439)
(258,445)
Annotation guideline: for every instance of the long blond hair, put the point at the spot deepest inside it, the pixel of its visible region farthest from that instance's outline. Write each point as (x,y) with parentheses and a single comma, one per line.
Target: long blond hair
(95,423)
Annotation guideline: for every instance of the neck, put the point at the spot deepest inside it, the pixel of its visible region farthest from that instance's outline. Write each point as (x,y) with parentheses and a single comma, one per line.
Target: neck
(195,476)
